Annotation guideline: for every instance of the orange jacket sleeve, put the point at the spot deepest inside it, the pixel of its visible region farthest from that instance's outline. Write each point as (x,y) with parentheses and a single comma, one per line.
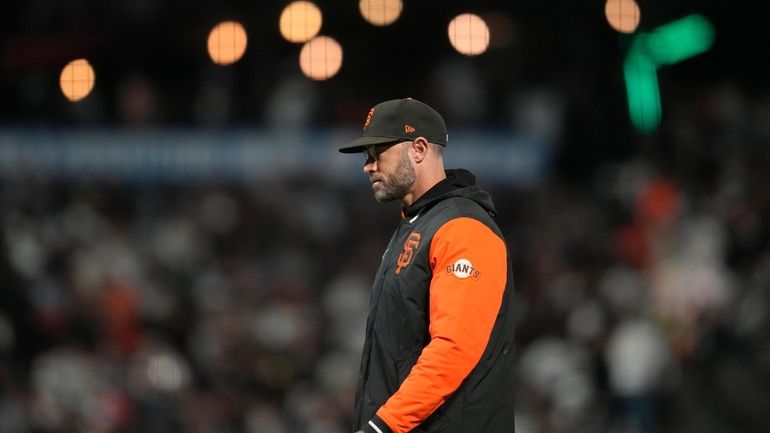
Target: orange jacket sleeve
(469,266)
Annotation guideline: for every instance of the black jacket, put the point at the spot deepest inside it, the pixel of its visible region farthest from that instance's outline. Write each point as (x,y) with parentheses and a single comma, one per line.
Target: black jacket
(438,354)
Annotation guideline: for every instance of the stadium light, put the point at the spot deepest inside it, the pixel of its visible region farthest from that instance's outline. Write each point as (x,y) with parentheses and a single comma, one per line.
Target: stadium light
(300,21)
(468,34)
(77,79)
(227,42)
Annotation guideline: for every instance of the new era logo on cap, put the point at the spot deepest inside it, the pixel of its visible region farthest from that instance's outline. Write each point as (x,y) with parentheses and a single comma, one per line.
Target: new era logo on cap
(400,120)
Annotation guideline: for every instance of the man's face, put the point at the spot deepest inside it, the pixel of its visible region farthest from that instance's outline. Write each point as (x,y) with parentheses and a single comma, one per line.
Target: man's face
(390,171)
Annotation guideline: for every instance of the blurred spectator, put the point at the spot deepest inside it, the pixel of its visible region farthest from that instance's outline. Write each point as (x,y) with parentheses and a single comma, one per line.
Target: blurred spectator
(637,357)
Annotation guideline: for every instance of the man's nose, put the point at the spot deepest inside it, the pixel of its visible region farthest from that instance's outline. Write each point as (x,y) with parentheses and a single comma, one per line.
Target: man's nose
(369,166)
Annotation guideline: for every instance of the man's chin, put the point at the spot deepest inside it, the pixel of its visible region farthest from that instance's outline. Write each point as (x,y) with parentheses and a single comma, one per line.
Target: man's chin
(383,197)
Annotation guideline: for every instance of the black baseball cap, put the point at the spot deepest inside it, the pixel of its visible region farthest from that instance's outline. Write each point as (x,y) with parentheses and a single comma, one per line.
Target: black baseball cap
(400,120)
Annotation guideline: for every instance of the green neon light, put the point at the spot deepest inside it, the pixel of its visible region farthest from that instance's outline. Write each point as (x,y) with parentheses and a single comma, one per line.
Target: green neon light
(642,87)
(666,45)
(680,39)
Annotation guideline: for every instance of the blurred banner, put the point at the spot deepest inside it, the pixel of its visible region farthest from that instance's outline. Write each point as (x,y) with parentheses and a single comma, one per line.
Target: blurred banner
(185,155)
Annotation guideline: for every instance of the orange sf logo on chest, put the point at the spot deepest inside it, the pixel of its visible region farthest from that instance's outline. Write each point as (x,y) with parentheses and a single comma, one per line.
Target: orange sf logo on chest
(411,244)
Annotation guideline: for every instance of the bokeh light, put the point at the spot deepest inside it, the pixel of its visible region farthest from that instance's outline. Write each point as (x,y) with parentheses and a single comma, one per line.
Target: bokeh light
(227,42)
(320,58)
(77,79)
(623,15)
(300,21)
(380,12)
(469,34)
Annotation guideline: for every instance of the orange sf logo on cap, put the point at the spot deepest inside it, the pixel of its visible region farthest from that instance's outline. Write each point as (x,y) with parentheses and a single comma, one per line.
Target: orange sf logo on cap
(368,118)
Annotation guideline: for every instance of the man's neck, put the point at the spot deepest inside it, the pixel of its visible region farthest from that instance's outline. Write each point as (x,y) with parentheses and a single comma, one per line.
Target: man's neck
(424,183)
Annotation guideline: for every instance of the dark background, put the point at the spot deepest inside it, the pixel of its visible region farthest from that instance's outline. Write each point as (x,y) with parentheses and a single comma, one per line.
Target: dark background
(235,302)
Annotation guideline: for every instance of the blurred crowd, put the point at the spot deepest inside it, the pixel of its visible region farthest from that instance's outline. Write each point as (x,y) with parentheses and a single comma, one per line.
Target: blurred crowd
(643,294)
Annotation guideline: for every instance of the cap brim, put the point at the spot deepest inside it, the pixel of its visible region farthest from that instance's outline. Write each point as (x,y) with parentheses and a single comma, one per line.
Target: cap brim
(359,144)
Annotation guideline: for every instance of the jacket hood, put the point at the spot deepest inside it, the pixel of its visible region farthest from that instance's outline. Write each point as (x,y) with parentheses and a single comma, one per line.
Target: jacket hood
(458,183)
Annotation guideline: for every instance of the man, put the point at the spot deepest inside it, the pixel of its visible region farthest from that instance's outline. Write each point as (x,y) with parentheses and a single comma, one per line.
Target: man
(438,354)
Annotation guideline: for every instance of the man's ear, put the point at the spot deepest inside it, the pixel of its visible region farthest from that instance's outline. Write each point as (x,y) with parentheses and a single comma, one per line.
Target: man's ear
(420,148)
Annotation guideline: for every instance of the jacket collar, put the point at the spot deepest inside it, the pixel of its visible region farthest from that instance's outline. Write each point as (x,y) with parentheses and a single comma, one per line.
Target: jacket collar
(458,183)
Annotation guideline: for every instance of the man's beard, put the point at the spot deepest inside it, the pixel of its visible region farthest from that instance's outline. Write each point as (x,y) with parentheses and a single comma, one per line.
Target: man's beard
(399,184)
